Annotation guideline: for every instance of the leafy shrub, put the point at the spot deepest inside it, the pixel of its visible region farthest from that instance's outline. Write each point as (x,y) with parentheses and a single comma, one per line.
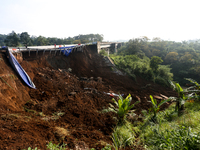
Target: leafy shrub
(156,107)
(155,60)
(162,81)
(134,65)
(52,146)
(196,84)
(123,107)
(182,97)
(164,72)
(103,53)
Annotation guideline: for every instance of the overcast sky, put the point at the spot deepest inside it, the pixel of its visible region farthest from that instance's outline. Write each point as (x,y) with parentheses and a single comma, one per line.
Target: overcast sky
(176,20)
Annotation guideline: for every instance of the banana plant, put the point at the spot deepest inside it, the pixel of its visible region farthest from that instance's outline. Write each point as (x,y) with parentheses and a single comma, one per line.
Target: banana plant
(182,96)
(156,107)
(124,107)
(196,88)
(197,85)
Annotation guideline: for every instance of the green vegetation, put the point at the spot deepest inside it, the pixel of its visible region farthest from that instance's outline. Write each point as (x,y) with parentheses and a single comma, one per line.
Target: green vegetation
(124,133)
(2,39)
(135,65)
(123,107)
(156,107)
(52,146)
(182,57)
(162,130)
(178,126)
(154,62)
(180,100)
(196,84)
(173,132)
(14,40)
(103,53)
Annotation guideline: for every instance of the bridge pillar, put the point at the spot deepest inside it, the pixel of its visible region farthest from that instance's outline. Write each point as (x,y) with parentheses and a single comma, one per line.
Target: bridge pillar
(98,47)
(115,47)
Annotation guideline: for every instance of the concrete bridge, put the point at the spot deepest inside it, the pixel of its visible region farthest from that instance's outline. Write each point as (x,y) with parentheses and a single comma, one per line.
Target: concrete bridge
(51,49)
(108,46)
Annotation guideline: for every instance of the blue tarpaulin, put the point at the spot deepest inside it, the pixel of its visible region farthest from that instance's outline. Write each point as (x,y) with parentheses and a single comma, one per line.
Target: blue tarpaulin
(20,70)
(66,50)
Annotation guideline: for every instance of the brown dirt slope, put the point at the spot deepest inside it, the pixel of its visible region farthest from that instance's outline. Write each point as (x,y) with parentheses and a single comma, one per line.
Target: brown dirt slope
(65,106)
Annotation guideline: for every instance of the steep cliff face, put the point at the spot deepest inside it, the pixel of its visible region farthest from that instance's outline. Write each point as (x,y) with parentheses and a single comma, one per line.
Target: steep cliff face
(13,92)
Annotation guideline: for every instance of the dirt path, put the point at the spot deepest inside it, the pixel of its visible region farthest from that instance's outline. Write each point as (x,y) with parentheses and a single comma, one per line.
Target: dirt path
(66,106)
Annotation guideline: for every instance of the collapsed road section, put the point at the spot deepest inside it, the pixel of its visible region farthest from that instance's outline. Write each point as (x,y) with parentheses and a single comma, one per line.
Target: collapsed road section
(66,50)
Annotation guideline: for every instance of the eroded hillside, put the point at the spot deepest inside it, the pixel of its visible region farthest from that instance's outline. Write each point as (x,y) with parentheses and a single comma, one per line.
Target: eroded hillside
(66,105)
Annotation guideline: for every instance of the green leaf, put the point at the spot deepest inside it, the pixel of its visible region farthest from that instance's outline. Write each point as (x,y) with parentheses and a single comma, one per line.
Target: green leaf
(115,102)
(120,103)
(164,101)
(154,102)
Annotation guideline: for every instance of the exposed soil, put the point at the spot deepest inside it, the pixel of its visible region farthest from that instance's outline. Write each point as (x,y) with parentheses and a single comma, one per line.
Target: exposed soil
(66,105)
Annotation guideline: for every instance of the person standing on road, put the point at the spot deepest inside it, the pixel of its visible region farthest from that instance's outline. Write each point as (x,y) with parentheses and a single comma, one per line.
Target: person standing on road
(55,45)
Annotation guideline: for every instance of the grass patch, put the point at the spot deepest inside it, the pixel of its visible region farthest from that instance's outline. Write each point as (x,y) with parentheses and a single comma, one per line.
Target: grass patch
(124,135)
(171,131)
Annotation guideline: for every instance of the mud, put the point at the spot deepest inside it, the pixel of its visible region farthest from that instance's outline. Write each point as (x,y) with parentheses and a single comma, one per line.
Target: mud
(66,106)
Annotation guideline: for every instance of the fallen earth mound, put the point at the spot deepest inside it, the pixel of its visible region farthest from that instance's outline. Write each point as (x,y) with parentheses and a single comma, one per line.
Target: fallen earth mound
(66,106)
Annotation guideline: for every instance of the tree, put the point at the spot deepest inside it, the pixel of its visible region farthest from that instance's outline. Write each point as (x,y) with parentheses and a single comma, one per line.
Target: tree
(157,39)
(2,38)
(77,42)
(12,40)
(154,62)
(156,52)
(84,41)
(25,38)
(41,41)
(89,37)
(69,40)
(171,57)
(187,58)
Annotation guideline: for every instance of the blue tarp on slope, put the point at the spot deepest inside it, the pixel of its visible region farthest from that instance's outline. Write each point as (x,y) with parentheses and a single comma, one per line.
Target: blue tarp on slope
(20,70)
(66,50)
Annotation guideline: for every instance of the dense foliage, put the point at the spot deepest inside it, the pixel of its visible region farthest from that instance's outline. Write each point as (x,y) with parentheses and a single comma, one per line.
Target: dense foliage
(135,65)
(183,57)
(14,39)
